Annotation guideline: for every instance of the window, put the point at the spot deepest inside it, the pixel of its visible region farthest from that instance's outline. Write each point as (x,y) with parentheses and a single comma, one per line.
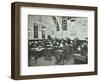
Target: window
(35,31)
(64,23)
(56,23)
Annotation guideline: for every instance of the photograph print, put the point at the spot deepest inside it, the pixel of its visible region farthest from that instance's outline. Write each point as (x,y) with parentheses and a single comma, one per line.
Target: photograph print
(57,40)
(53,40)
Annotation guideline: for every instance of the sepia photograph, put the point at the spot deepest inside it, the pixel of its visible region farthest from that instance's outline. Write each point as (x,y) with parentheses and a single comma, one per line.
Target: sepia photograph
(57,40)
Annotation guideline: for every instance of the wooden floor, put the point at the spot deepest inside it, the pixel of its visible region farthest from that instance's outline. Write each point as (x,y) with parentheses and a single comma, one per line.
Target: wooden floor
(45,62)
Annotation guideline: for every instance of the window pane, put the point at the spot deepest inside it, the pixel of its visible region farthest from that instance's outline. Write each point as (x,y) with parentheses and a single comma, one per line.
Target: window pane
(64,23)
(35,31)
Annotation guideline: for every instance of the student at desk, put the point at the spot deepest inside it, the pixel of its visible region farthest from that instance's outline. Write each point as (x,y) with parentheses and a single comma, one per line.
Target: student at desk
(59,54)
(61,45)
(83,49)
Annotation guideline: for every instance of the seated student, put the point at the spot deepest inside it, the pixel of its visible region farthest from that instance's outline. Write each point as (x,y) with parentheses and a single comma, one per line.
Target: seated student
(45,43)
(42,43)
(59,55)
(55,45)
(68,40)
(83,52)
(50,44)
(61,45)
(76,44)
(83,49)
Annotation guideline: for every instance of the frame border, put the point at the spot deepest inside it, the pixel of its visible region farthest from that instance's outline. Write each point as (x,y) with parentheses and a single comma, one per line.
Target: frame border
(15,39)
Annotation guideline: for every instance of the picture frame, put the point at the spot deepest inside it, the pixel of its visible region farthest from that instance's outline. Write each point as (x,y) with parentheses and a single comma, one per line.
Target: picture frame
(17,26)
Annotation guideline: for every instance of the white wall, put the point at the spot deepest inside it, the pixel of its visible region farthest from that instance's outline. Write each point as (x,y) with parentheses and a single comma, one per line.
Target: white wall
(41,21)
(78,28)
(5,42)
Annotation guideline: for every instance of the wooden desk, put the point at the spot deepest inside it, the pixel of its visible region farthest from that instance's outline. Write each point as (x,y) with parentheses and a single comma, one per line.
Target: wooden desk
(36,53)
(79,59)
(59,56)
(48,53)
